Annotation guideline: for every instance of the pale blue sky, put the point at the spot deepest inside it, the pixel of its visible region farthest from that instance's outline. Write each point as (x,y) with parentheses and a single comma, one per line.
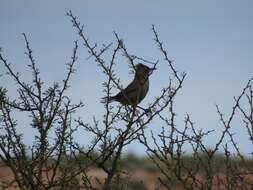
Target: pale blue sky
(210,40)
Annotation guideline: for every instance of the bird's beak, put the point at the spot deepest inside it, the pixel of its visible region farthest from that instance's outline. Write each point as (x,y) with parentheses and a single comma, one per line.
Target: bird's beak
(151,70)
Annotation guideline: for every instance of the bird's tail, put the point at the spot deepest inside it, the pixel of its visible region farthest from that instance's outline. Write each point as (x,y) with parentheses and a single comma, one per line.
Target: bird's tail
(107,99)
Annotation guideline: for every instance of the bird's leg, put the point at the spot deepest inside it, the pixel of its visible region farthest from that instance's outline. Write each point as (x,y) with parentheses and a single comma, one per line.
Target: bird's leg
(147,110)
(132,109)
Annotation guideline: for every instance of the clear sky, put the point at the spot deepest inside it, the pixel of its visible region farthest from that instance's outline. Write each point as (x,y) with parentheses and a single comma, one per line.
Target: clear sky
(210,40)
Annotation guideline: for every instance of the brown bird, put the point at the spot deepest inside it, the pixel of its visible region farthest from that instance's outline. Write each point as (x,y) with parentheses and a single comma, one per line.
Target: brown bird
(136,91)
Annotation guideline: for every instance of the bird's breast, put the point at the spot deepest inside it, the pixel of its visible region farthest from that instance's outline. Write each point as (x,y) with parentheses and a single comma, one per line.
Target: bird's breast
(146,86)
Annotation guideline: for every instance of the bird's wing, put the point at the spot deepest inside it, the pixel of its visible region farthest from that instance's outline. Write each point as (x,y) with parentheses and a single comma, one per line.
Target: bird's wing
(131,88)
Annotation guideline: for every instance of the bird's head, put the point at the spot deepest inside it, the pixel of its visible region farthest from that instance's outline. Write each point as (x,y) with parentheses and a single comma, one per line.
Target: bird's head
(144,70)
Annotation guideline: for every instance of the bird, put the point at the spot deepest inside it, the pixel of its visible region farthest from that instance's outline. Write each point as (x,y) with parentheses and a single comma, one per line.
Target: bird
(136,91)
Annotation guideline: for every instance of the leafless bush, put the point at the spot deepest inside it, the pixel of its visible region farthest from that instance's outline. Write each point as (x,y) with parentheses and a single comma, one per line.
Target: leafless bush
(59,162)
(37,166)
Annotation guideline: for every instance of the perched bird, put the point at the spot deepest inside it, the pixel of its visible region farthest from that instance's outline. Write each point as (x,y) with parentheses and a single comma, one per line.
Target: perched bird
(136,91)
